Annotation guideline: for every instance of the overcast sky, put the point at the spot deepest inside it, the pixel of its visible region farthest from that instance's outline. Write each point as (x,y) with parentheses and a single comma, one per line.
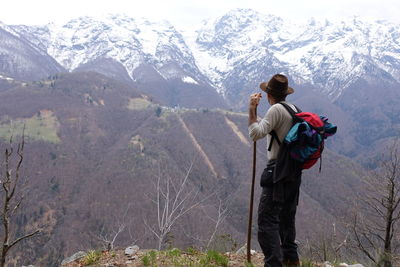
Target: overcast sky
(183,13)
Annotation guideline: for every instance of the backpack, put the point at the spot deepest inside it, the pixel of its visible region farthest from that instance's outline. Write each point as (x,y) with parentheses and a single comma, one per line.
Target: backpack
(305,140)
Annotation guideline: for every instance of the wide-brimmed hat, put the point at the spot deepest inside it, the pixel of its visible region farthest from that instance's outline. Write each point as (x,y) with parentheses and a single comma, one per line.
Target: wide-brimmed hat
(277,86)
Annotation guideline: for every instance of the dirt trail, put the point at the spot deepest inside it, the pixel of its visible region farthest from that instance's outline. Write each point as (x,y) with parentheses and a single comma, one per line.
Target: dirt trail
(198,147)
(236,130)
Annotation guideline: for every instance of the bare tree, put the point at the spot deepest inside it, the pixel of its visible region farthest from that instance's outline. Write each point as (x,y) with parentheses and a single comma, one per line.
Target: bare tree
(108,238)
(328,246)
(216,219)
(109,232)
(11,197)
(220,218)
(173,200)
(374,225)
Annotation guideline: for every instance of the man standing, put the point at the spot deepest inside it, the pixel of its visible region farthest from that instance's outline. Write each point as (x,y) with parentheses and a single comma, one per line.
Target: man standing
(279,199)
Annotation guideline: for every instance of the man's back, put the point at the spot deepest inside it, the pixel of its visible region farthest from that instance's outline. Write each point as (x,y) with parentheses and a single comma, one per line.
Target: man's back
(278,119)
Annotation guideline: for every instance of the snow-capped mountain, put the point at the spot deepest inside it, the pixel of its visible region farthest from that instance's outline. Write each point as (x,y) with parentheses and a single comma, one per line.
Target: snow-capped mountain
(223,44)
(154,55)
(19,59)
(132,42)
(328,55)
(230,54)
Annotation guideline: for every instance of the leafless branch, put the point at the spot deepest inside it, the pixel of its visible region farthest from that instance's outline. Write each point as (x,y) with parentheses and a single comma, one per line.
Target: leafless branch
(10,185)
(374,234)
(173,200)
(222,213)
(22,238)
(110,231)
(360,244)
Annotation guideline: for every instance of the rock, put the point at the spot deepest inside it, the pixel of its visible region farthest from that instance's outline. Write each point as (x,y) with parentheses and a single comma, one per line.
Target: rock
(133,257)
(243,251)
(129,262)
(74,257)
(28,266)
(131,250)
(327,264)
(343,264)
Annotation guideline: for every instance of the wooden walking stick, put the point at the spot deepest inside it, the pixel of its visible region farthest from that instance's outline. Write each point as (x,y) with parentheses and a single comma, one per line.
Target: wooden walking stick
(251,200)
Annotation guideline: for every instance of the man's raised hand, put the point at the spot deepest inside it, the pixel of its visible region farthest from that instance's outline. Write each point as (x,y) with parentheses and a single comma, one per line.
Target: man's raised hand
(255,99)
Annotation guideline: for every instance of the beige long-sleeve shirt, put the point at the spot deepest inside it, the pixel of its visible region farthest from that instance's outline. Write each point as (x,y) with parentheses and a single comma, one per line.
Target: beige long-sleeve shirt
(277,118)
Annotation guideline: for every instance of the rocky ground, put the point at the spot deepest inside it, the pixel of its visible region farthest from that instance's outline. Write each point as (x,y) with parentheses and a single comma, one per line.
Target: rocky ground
(119,258)
(135,257)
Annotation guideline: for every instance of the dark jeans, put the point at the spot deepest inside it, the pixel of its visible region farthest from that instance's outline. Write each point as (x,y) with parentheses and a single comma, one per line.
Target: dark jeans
(276,222)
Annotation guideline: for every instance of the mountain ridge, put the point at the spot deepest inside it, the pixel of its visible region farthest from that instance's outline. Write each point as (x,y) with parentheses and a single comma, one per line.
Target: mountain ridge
(326,54)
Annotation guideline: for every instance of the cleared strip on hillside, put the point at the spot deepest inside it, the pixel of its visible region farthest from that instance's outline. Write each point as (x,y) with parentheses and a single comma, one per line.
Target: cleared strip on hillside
(236,130)
(198,147)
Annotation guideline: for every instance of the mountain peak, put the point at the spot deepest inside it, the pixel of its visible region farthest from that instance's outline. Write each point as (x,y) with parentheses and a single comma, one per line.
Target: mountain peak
(231,50)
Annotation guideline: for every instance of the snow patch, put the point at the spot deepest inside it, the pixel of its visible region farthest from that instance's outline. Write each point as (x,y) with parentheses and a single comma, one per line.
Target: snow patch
(188,79)
(6,78)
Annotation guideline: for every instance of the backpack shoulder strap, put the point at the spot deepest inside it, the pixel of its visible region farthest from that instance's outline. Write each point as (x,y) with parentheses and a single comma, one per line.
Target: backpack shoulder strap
(292,112)
(289,109)
(273,134)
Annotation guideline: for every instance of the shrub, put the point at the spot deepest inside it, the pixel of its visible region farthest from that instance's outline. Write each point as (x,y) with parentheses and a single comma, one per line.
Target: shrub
(146,260)
(91,257)
(306,263)
(150,259)
(215,257)
(174,252)
(153,256)
(191,250)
